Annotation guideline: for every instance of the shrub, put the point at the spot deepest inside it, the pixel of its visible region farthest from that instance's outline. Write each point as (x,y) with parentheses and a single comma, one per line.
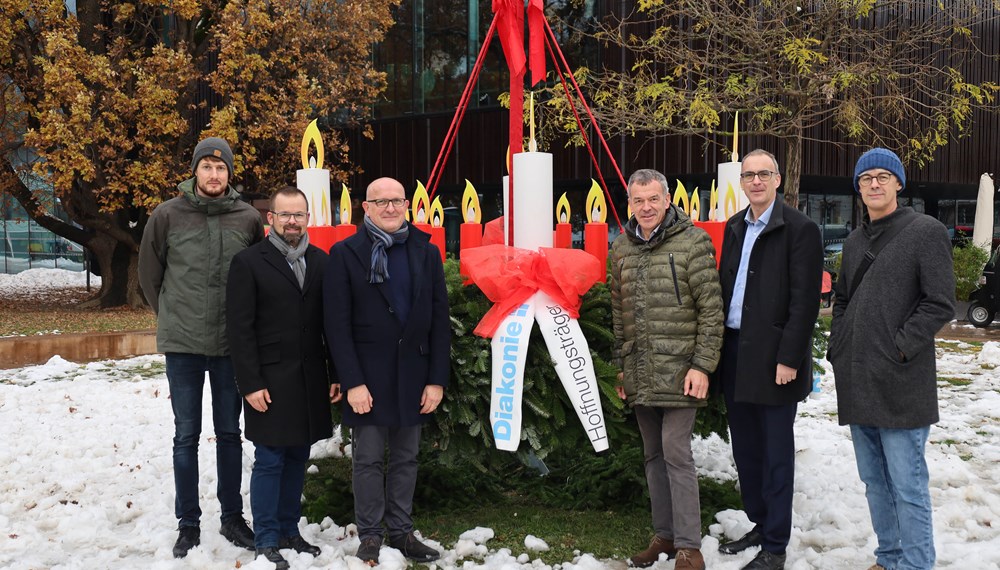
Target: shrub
(969,261)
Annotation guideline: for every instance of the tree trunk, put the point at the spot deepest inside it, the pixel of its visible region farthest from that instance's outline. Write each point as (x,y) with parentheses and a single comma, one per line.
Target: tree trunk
(118,264)
(793,168)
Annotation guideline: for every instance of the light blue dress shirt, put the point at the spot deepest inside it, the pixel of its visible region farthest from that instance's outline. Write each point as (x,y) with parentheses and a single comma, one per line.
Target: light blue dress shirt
(754,227)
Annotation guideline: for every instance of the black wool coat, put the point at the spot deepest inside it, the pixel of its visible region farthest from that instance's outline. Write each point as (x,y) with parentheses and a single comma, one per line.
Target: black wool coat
(369,344)
(780,304)
(275,331)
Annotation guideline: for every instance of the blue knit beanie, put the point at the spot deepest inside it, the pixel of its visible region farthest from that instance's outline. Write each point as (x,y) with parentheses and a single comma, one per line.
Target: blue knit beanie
(879,158)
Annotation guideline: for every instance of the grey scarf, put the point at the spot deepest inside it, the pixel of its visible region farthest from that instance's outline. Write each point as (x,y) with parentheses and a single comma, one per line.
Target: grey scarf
(293,255)
(382,240)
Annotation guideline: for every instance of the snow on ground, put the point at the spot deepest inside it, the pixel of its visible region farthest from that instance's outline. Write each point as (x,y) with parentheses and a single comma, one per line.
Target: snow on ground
(40,279)
(87,479)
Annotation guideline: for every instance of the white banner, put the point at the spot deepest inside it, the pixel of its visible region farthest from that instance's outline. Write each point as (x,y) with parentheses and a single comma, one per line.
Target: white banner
(510,354)
(574,365)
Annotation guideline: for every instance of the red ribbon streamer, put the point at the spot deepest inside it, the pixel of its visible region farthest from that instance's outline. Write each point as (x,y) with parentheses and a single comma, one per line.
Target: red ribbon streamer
(509,276)
(536,41)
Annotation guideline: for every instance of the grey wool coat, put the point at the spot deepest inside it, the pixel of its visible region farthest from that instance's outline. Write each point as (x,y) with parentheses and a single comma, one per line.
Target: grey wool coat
(666,307)
(882,341)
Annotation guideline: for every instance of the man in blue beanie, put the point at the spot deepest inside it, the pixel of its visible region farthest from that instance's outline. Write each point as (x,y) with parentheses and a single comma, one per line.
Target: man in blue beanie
(886,314)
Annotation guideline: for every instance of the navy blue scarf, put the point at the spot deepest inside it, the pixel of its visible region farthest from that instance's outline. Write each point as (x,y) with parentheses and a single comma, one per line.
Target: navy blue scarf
(382,240)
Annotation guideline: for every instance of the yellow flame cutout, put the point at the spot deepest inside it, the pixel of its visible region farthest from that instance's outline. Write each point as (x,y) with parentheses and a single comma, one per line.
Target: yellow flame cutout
(437,213)
(695,206)
(471,213)
(312,135)
(713,202)
(596,206)
(681,198)
(420,207)
(562,210)
(729,205)
(345,204)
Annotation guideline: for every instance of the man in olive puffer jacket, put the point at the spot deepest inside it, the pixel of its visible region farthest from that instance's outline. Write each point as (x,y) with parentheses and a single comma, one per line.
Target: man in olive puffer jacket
(184,258)
(666,303)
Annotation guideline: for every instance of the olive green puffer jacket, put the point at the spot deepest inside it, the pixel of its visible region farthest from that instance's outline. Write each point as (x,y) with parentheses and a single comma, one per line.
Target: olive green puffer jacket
(666,304)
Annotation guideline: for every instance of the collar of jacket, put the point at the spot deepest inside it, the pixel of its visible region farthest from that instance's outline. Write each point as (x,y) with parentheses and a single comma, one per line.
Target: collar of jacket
(673,223)
(209,206)
(737,223)
(879,226)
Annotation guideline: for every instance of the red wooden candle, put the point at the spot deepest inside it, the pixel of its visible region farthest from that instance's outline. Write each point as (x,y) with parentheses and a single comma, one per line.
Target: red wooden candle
(323,237)
(563,236)
(595,242)
(715,230)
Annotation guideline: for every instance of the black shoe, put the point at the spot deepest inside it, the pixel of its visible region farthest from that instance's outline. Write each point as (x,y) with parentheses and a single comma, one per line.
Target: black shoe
(767,561)
(188,538)
(368,551)
(748,540)
(272,554)
(238,531)
(413,548)
(299,544)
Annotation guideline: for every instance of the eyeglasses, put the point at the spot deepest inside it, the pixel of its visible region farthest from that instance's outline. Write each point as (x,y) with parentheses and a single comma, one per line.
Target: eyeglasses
(764,175)
(882,177)
(383,202)
(285,216)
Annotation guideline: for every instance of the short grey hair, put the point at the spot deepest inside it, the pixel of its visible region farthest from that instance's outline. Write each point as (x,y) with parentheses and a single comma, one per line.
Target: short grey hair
(762,152)
(646,176)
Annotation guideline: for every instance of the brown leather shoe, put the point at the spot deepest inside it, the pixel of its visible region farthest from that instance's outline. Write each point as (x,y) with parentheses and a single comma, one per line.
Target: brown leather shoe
(657,546)
(689,559)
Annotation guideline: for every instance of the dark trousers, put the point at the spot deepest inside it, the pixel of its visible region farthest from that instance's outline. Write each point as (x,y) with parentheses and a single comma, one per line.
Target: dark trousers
(186,377)
(276,492)
(380,493)
(763,441)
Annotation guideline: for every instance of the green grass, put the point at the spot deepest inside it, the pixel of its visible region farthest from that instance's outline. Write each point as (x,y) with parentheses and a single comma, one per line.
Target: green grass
(606,534)
(955,381)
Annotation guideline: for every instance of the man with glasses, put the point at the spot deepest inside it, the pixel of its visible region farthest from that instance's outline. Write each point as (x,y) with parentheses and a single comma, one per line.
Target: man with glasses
(274,321)
(666,307)
(386,315)
(896,291)
(771,268)
(184,259)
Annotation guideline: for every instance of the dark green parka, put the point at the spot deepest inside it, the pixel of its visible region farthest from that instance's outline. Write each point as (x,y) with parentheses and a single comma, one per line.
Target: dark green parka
(184,259)
(666,304)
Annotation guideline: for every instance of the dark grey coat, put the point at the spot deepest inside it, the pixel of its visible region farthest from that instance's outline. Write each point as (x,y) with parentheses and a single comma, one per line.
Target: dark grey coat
(882,342)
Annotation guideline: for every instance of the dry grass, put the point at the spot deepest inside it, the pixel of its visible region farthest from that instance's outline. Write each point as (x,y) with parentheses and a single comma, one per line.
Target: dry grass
(56,311)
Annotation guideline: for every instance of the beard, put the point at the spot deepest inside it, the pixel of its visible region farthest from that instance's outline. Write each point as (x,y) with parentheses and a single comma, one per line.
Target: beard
(212,192)
(292,240)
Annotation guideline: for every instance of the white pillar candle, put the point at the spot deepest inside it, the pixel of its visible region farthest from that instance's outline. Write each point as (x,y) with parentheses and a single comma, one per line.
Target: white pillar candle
(729,174)
(315,183)
(532,200)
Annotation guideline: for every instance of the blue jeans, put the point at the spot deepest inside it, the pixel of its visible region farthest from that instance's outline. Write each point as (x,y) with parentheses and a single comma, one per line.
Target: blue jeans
(186,376)
(892,466)
(276,492)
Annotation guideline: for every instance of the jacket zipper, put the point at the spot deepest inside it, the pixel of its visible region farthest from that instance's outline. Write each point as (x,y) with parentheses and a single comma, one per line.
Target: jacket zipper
(673,271)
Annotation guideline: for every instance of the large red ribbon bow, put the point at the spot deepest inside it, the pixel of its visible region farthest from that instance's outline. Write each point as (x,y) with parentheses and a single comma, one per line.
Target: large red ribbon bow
(509,276)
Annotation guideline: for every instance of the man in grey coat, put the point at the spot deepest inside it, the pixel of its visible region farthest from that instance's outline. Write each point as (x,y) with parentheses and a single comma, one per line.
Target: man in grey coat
(882,351)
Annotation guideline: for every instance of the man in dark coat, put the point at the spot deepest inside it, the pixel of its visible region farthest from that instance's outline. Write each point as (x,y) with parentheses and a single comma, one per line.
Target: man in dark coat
(386,315)
(275,327)
(771,268)
(882,352)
